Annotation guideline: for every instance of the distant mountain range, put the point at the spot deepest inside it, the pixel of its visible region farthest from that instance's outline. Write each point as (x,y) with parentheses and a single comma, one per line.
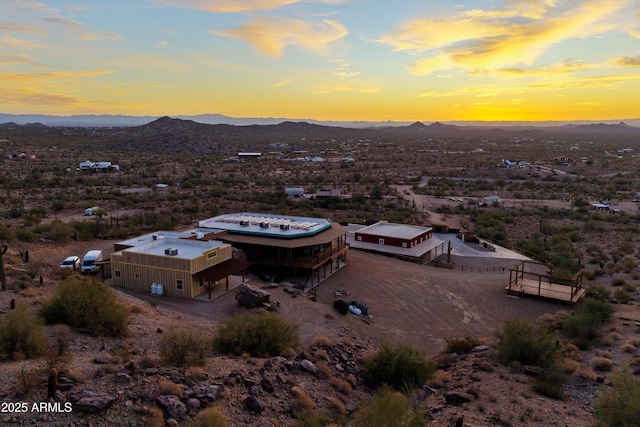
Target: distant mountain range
(219,119)
(173,135)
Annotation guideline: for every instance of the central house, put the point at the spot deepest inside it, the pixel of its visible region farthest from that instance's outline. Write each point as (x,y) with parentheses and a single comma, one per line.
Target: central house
(304,250)
(188,263)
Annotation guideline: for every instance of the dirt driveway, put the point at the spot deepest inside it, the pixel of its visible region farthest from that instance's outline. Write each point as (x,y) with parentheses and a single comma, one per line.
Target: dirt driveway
(424,305)
(409,303)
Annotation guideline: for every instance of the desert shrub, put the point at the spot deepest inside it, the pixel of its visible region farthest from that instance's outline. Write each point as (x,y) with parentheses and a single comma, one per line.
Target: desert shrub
(169,387)
(399,366)
(62,338)
(551,381)
(619,406)
(622,296)
(630,287)
(195,373)
(210,417)
(28,380)
(21,334)
(618,281)
(87,305)
(587,320)
(341,306)
(601,364)
(155,417)
(388,408)
(343,386)
(520,341)
(301,404)
(598,292)
(320,341)
(183,347)
(461,345)
(261,335)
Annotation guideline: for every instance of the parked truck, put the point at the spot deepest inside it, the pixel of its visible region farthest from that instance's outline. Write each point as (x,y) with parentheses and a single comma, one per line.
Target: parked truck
(90,261)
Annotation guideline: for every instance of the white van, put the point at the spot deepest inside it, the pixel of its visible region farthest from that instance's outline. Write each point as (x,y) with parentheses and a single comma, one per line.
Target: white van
(89,261)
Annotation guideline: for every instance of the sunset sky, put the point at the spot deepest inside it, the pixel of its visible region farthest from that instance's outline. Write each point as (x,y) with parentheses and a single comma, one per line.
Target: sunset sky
(400,60)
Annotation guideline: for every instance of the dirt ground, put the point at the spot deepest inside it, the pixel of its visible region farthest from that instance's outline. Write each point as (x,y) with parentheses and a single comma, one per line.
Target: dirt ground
(410,303)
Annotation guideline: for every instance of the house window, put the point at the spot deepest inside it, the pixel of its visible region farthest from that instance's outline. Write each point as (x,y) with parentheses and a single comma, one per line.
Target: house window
(360,238)
(117,273)
(179,284)
(136,275)
(404,244)
(201,282)
(381,241)
(212,254)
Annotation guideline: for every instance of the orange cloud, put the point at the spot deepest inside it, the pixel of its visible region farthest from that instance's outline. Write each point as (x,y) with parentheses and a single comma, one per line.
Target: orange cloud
(272,36)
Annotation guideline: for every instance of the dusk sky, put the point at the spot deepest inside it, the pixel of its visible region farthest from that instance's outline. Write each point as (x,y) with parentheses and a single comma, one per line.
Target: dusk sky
(400,60)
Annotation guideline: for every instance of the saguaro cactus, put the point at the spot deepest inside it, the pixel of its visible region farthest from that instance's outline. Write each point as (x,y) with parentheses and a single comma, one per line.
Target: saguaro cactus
(52,383)
(3,278)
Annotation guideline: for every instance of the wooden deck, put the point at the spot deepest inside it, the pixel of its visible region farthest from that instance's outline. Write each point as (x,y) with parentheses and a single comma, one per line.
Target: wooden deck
(545,290)
(546,281)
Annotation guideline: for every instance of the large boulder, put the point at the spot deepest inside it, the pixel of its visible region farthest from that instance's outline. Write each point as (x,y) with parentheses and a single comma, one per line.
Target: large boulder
(86,400)
(250,296)
(172,405)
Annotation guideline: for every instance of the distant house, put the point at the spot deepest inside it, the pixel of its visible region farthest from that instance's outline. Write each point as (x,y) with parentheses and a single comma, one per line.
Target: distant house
(492,199)
(249,155)
(506,163)
(98,166)
(295,192)
(324,193)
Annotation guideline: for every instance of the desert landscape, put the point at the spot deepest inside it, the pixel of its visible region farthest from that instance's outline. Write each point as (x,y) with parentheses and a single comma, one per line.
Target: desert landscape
(456,318)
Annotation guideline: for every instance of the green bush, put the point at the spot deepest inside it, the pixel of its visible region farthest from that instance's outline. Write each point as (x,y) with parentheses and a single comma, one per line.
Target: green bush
(184,347)
(260,335)
(520,341)
(622,296)
(619,406)
(400,367)
(388,408)
(598,292)
(87,305)
(587,320)
(21,335)
(461,345)
(341,306)
(550,383)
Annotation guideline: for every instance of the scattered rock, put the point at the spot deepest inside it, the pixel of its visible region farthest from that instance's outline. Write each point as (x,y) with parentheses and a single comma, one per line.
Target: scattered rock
(253,404)
(480,348)
(123,378)
(456,398)
(92,400)
(204,392)
(172,404)
(308,366)
(532,370)
(267,385)
(250,296)
(171,423)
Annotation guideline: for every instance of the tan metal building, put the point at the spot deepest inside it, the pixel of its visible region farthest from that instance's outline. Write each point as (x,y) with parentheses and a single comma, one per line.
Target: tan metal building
(178,264)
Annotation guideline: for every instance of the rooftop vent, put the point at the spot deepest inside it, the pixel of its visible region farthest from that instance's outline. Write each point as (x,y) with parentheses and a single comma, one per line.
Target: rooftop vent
(284,226)
(243,222)
(171,251)
(264,225)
